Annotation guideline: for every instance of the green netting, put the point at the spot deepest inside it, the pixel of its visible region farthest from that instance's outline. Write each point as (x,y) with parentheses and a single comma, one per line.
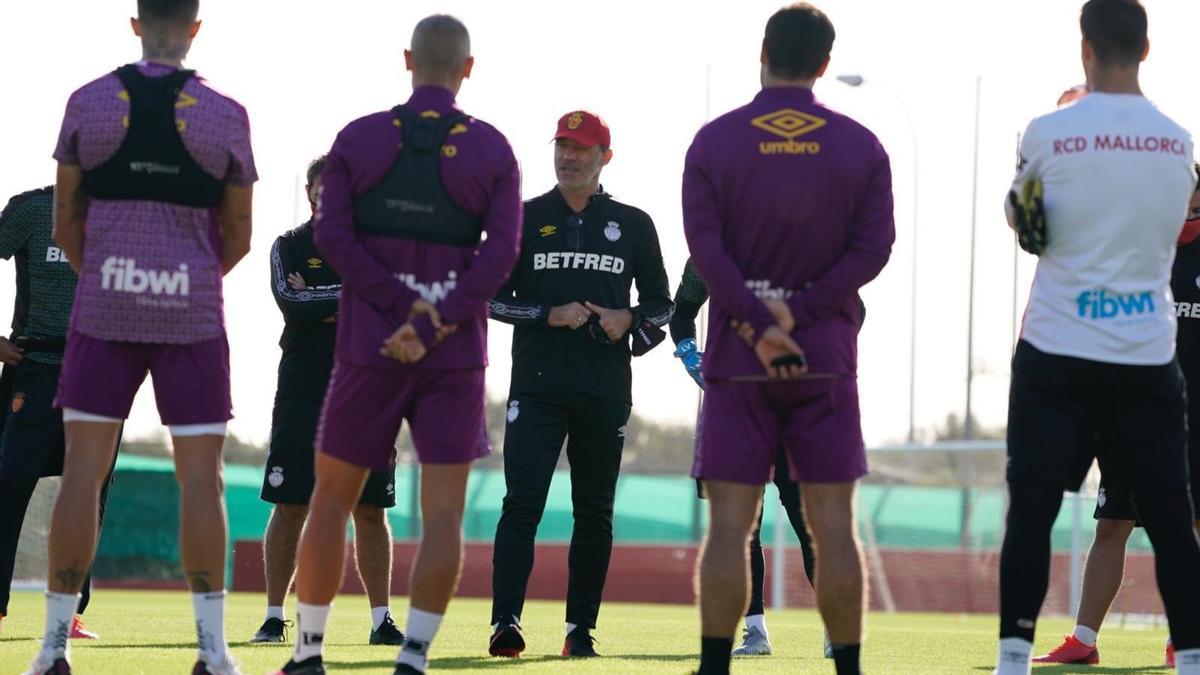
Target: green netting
(140,528)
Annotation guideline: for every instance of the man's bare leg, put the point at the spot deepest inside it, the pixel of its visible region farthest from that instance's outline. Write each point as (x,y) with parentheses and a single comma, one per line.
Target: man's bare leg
(202,537)
(73,526)
(841,586)
(1102,574)
(279,550)
(438,565)
(373,557)
(323,548)
(724,569)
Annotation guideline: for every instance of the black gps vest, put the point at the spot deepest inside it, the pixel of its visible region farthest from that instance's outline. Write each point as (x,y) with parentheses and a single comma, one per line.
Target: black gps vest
(411,202)
(152,163)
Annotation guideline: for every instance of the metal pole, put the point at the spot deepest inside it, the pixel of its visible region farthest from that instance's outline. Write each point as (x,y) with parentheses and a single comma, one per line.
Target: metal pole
(858,81)
(779,560)
(1076,550)
(968,422)
(912,328)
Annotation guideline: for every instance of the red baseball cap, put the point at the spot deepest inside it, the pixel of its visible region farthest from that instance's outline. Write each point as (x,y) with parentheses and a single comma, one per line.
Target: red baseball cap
(585,128)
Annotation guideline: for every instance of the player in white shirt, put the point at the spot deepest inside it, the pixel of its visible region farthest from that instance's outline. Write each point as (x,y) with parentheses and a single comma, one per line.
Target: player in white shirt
(1098,341)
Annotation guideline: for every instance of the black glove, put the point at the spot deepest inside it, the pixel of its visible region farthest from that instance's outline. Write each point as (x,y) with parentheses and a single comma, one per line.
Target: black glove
(646,336)
(597,331)
(1029,214)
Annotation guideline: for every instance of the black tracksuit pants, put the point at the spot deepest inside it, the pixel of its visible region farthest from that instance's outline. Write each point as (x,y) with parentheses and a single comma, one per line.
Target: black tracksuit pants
(32,445)
(594,429)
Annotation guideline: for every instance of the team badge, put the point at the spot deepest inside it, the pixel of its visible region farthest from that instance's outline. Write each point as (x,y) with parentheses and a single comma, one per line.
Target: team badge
(275,479)
(574,120)
(1101,498)
(18,402)
(1197,282)
(548,230)
(514,411)
(613,231)
(314,263)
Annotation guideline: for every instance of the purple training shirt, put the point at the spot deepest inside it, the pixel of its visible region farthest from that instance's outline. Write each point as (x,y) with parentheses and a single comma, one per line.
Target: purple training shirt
(784,198)
(383,276)
(152,270)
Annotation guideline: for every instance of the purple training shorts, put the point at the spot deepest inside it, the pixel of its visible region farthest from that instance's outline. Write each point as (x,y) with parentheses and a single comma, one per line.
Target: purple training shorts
(191,381)
(744,424)
(364,408)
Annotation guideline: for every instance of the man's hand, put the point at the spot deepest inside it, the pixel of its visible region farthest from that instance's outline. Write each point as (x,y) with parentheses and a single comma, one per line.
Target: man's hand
(297,282)
(571,315)
(782,314)
(10,354)
(691,356)
(404,345)
(775,344)
(615,322)
(425,307)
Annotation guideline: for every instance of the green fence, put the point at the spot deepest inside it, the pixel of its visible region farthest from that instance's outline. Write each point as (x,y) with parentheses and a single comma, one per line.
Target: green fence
(139,537)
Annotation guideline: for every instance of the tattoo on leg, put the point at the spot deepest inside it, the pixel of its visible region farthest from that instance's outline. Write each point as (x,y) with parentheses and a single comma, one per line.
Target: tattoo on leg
(206,642)
(198,581)
(71,577)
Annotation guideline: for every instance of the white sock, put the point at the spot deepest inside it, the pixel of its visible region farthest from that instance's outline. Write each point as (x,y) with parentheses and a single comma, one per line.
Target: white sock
(310,620)
(1014,657)
(1086,635)
(210,626)
(1187,662)
(570,627)
(275,612)
(60,611)
(758,621)
(378,614)
(420,631)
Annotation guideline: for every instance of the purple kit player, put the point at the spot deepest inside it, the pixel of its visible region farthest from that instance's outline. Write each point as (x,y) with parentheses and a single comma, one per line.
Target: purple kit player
(159,167)
(404,230)
(788,211)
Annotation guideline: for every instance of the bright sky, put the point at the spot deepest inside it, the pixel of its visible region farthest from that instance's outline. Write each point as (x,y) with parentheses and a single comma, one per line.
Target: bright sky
(305,68)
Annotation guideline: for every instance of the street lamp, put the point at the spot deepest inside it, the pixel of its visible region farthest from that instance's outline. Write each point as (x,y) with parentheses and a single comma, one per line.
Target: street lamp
(853,80)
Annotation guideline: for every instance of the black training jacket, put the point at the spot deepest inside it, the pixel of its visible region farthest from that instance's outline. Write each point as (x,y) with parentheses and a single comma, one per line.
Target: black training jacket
(595,256)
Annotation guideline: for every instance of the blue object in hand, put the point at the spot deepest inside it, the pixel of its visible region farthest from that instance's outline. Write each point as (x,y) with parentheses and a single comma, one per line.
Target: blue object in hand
(692,358)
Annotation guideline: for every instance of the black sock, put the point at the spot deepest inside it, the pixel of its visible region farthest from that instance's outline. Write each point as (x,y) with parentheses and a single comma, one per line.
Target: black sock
(714,655)
(293,665)
(845,659)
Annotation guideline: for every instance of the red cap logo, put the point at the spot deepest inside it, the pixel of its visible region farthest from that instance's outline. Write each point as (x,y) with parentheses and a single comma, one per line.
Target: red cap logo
(585,128)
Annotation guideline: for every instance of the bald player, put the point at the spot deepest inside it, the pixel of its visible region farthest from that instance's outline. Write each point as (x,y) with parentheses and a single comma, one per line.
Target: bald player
(787,208)
(159,166)
(404,228)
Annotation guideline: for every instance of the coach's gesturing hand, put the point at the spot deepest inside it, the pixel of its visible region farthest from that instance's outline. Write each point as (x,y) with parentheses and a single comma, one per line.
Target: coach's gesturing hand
(572,315)
(615,322)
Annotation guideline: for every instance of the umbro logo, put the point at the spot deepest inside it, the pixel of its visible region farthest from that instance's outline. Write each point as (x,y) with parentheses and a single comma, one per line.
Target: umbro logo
(788,123)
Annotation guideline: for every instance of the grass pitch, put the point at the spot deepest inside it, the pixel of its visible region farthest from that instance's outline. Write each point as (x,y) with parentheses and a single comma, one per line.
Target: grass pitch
(151,633)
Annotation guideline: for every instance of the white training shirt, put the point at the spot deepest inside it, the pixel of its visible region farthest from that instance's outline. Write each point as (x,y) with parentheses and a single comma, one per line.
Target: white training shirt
(1117,176)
